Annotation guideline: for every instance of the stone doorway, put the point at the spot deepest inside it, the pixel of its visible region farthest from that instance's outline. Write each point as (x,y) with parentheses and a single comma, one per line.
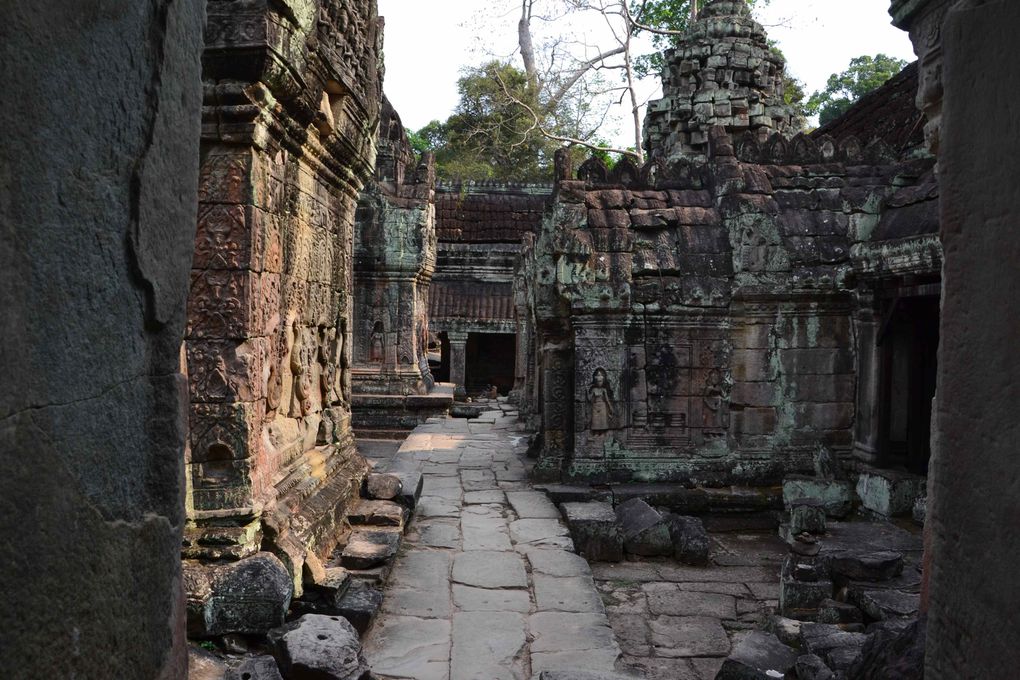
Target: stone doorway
(908,347)
(490,361)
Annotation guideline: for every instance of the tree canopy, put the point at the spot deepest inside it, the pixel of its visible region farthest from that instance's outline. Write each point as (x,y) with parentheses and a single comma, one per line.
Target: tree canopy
(864,74)
(489,136)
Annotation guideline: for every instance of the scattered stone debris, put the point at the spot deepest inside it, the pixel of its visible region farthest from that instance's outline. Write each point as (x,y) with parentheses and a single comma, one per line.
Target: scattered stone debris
(759,656)
(370,548)
(248,596)
(889,493)
(383,487)
(317,647)
(255,668)
(690,540)
(645,530)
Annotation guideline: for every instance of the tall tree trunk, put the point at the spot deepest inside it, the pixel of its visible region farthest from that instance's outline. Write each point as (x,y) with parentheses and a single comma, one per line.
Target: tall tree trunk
(525,43)
(694,11)
(635,109)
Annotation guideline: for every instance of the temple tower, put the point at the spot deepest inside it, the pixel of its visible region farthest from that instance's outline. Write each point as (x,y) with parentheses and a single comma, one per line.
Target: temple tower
(722,73)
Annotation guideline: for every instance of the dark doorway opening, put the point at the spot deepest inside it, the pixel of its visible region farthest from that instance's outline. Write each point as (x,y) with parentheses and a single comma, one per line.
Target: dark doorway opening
(490,361)
(909,343)
(441,368)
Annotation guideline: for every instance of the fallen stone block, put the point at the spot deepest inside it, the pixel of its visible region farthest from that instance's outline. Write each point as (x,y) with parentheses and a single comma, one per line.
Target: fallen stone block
(255,668)
(645,530)
(880,604)
(366,549)
(249,596)
(831,643)
(889,493)
(786,630)
(800,600)
(811,667)
(690,540)
(323,596)
(831,611)
(382,486)
(759,656)
(890,655)
(319,648)
(594,529)
(835,495)
(867,566)
(411,484)
(378,513)
(807,515)
(359,605)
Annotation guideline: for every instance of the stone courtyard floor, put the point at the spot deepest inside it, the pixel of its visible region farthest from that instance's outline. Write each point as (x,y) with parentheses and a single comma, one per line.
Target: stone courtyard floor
(675,622)
(487,586)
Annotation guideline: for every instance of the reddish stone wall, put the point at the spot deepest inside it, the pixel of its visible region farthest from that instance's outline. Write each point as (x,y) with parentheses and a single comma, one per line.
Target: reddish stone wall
(291,100)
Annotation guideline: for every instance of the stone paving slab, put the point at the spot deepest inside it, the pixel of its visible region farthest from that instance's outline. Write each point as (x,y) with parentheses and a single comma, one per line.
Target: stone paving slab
(486,586)
(675,622)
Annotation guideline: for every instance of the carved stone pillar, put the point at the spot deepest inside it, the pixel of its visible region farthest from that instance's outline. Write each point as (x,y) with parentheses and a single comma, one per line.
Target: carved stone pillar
(458,359)
(866,425)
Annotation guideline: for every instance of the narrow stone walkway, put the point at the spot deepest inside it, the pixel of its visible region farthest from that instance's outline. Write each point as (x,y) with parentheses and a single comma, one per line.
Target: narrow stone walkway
(486,586)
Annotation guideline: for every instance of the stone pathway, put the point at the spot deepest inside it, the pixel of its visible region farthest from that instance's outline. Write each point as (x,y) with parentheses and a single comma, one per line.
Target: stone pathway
(487,586)
(679,623)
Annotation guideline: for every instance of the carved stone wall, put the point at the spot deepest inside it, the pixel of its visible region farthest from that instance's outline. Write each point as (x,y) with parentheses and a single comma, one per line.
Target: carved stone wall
(98,173)
(394,259)
(292,99)
(702,318)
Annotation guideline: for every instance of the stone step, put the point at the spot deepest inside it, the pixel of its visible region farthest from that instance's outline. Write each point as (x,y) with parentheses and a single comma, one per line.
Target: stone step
(378,514)
(368,548)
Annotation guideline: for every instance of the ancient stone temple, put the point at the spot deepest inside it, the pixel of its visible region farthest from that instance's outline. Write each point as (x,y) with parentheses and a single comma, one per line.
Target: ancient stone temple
(394,259)
(221,256)
(292,98)
(744,299)
(480,228)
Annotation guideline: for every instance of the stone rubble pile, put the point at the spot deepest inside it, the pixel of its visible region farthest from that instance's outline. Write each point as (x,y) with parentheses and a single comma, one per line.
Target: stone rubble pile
(604,534)
(849,590)
(723,73)
(248,609)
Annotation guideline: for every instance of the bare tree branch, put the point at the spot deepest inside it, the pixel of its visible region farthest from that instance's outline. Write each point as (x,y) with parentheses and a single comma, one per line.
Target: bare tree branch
(537,125)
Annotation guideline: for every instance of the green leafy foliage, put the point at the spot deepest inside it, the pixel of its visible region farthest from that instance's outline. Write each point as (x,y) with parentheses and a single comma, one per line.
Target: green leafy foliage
(490,135)
(843,89)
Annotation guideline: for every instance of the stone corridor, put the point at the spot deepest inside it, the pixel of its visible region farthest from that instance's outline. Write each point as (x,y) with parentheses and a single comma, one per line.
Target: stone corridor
(486,585)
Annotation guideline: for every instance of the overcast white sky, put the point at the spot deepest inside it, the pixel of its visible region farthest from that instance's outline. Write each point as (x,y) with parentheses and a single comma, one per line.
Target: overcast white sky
(428,41)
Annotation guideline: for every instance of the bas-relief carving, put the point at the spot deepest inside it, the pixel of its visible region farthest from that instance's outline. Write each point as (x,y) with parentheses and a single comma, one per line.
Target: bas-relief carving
(601,408)
(269,313)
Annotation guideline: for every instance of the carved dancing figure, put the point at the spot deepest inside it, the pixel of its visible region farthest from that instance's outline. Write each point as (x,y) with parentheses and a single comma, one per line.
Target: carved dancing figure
(600,399)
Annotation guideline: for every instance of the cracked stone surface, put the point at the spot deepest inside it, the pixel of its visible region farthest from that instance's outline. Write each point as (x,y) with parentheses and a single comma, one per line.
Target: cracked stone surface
(486,585)
(676,622)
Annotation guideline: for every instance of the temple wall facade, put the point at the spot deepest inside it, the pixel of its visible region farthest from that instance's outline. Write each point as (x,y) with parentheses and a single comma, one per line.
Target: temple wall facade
(292,102)
(480,229)
(708,318)
(394,260)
